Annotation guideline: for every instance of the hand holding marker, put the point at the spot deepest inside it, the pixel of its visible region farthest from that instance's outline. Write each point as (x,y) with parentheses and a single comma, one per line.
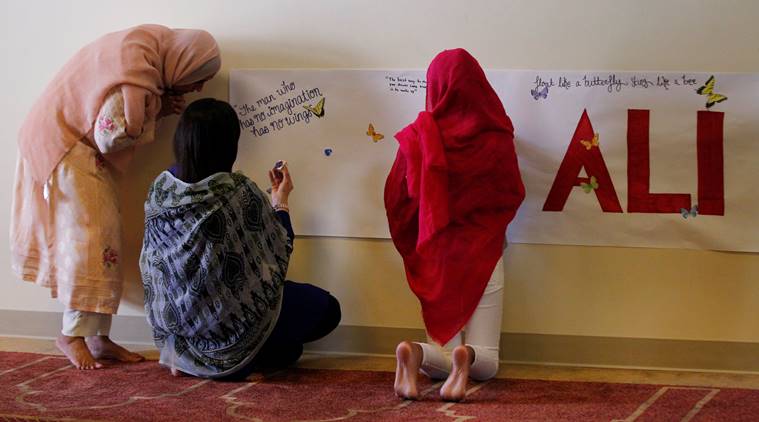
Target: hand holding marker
(281,186)
(277,171)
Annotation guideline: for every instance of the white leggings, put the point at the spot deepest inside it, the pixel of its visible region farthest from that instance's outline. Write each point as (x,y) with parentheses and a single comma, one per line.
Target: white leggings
(482,333)
(85,324)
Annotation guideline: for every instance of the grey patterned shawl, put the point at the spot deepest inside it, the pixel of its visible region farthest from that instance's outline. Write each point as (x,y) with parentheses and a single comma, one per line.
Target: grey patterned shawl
(213,263)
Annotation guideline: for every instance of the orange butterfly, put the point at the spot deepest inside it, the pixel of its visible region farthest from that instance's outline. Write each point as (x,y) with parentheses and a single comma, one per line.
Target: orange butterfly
(376,136)
(590,144)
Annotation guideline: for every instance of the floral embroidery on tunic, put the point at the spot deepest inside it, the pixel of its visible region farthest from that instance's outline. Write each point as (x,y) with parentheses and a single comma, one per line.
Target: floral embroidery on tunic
(106,125)
(110,257)
(100,161)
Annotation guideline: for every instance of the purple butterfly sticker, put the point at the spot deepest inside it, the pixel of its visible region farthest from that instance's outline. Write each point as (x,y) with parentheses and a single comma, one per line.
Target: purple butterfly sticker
(539,93)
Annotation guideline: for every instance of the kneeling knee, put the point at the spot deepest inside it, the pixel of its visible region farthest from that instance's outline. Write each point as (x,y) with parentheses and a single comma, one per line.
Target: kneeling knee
(334,314)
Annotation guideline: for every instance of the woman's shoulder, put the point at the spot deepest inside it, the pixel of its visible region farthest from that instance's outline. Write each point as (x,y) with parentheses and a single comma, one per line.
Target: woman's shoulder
(246,184)
(241,179)
(161,179)
(213,186)
(160,182)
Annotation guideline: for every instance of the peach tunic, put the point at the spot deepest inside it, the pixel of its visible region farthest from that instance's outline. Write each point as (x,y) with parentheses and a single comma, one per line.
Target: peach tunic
(65,222)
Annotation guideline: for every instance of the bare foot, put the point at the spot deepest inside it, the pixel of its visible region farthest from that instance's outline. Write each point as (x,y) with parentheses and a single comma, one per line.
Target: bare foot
(76,350)
(103,347)
(454,388)
(409,357)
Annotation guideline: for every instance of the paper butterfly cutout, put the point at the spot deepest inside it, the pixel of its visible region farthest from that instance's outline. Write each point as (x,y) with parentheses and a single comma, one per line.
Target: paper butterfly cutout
(588,187)
(327,151)
(708,90)
(590,144)
(318,109)
(376,137)
(537,94)
(693,212)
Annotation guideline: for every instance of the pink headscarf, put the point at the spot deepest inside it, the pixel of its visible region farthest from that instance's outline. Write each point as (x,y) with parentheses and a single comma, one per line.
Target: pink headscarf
(144,61)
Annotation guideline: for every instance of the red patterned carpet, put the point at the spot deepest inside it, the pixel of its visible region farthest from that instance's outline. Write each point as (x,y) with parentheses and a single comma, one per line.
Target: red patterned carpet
(45,388)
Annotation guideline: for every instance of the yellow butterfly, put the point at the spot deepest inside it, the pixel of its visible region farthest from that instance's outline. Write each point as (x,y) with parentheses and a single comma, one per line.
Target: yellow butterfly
(318,109)
(590,144)
(708,90)
(376,136)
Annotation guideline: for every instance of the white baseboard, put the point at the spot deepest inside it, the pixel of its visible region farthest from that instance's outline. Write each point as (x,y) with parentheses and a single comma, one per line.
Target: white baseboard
(585,351)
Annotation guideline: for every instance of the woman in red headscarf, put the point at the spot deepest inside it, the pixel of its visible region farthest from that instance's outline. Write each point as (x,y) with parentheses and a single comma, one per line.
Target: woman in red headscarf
(66,223)
(452,191)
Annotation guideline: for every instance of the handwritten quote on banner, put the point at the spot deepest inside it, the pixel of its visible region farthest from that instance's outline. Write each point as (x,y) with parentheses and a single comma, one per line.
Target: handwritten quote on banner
(612,83)
(650,152)
(288,105)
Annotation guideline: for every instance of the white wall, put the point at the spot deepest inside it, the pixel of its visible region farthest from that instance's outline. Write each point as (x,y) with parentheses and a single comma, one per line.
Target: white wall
(650,293)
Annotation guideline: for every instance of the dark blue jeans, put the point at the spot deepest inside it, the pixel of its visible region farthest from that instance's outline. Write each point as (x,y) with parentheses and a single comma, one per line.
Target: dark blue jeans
(308,313)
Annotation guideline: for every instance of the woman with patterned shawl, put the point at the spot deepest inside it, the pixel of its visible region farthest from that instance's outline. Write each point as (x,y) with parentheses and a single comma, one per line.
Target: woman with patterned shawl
(215,258)
(452,191)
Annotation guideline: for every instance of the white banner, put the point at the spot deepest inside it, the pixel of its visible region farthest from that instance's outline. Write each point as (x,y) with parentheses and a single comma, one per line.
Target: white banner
(608,158)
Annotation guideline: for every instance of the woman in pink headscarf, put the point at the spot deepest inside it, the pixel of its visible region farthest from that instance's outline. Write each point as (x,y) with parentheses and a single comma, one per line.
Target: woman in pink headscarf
(65,223)
(452,191)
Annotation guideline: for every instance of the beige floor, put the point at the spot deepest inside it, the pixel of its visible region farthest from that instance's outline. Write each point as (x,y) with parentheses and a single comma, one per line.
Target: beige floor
(382,363)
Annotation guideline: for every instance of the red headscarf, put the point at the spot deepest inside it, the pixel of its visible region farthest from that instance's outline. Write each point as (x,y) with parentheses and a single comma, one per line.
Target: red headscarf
(453,189)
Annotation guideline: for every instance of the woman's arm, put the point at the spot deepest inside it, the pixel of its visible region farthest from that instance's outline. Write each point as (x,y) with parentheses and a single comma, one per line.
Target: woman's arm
(281,186)
(128,117)
(121,124)
(284,218)
(134,108)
